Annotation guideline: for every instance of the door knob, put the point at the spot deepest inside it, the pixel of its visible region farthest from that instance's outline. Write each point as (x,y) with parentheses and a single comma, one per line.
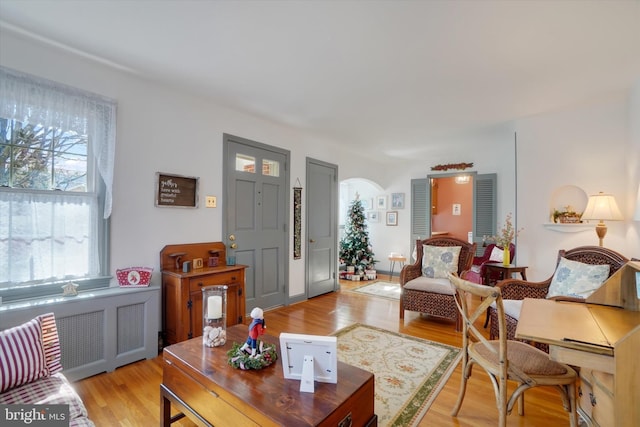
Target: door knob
(232,237)
(311,241)
(233,245)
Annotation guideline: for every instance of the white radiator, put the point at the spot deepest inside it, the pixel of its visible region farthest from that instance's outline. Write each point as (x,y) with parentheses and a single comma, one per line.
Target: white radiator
(99,330)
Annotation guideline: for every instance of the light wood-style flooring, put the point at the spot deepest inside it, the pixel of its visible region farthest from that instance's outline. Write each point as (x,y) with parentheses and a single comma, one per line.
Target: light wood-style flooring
(130,396)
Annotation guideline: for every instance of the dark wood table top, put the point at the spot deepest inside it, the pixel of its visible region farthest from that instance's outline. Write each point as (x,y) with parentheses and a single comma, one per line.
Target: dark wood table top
(265,390)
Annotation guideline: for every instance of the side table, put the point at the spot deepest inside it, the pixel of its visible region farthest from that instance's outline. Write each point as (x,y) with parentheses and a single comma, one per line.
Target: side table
(503,272)
(396,258)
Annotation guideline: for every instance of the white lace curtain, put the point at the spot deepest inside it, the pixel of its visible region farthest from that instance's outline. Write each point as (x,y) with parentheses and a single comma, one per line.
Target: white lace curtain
(35,100)
(52,236)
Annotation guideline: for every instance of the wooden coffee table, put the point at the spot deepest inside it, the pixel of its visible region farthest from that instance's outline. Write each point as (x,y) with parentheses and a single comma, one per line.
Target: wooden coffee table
(198,381)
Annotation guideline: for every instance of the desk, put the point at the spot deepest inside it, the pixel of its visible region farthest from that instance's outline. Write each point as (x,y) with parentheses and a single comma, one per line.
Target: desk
(198,381)
(604,341)
(396,258)
(504,272)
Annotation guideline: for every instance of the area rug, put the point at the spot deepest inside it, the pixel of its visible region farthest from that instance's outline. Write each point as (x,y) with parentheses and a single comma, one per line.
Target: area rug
(409,371)
(380,289)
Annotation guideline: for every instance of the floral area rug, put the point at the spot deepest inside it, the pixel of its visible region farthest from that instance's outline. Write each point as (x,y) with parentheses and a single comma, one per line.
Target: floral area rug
(409,372)
(380,289)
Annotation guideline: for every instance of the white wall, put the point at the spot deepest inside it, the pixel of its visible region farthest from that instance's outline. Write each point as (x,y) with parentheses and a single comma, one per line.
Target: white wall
(161,129)
(585,147)
(490,150)
(164,130)
(594,147)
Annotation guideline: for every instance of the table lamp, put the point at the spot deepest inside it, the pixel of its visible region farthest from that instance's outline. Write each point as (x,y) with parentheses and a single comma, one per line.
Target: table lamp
(602,207)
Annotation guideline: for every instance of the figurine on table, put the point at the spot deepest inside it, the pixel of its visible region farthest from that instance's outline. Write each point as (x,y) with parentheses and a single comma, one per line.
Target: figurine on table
(256,328)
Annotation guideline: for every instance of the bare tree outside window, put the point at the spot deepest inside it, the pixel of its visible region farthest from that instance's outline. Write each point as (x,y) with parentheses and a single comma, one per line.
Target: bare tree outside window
(34,157)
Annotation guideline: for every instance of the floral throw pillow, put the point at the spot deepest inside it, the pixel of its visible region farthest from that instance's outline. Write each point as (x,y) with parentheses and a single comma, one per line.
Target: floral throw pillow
(576,279)
(437,261)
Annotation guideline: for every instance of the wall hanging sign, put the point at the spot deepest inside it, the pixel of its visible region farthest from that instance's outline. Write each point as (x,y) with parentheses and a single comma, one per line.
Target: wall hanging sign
(176,191)
(456,166)
(297,221)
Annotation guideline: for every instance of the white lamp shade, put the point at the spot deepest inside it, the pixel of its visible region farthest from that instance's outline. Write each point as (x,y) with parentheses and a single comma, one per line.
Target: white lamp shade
(602,207)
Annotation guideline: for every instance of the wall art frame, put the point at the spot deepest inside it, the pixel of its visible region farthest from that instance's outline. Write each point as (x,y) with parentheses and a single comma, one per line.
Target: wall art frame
(397,200)
(297,222)
(392,218)
(176,191)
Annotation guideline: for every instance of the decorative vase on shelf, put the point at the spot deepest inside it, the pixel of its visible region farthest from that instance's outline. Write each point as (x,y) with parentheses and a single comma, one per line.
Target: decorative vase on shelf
(506,256)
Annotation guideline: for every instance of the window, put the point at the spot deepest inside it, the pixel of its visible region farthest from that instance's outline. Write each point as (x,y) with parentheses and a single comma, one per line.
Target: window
(56,171)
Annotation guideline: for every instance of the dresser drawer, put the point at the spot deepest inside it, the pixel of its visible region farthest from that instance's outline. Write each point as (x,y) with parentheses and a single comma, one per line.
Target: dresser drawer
(207,403)
(602,385)
(596,397)
(585,394)
(228,278)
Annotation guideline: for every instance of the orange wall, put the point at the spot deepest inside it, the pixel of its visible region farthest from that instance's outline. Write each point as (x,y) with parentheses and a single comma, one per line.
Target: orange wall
(449,193)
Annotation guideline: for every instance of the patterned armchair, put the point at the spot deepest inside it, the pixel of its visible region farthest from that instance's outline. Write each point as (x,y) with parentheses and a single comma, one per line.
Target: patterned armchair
(478,267)
(433,296)
(514,290)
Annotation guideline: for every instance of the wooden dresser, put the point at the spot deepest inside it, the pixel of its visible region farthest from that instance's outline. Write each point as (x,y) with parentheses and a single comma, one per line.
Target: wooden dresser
(182,290)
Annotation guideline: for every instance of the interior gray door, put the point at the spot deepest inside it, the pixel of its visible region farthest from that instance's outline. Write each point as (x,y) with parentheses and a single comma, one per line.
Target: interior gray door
(322,227)
(256,220)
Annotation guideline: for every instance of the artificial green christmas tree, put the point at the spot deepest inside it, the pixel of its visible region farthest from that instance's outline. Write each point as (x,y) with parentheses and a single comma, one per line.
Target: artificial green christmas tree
(355,249)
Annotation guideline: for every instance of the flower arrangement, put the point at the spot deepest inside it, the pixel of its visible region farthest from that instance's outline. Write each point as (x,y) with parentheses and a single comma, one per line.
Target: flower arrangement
(506,235)
(240,359)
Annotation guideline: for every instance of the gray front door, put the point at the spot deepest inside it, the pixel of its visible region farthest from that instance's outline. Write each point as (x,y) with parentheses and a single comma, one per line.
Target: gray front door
(256,217)
(322,227)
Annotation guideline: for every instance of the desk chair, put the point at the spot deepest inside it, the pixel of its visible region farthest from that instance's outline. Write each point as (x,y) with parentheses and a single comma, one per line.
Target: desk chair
(504,359)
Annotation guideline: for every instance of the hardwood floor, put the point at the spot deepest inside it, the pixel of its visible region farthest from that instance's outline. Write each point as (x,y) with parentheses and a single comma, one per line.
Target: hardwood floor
(130,396)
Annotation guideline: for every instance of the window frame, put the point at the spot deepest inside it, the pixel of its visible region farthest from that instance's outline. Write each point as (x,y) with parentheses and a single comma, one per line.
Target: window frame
(100,114)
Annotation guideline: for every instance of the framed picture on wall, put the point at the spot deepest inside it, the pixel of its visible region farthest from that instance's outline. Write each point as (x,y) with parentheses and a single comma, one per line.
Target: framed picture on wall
(392,218)
(373,216)
(397,200)
(381,202)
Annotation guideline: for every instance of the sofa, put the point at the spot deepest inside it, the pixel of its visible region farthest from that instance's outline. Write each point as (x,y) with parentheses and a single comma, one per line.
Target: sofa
(31,370)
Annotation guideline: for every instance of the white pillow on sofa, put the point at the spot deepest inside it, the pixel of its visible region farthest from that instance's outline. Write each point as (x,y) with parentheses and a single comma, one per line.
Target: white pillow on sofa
(576,279)
(22,355)
(497,254)
(437,261)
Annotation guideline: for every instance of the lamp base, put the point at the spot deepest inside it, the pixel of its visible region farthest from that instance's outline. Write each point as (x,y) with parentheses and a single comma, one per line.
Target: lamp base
(601,231)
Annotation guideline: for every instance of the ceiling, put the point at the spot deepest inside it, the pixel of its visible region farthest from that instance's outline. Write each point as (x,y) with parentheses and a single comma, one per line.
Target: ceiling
(385,76)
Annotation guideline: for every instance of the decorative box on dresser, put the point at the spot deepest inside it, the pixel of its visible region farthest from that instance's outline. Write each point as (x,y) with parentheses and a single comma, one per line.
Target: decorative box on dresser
(182,290)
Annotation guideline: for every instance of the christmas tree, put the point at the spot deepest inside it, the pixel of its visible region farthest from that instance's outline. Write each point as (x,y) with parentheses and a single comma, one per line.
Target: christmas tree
(355,249)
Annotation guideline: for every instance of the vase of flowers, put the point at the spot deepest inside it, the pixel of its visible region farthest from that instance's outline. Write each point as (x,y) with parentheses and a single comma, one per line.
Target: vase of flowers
(504,238)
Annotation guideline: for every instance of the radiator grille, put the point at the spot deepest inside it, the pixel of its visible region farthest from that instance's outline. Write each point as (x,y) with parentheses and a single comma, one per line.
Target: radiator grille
(81,338)
(130,327)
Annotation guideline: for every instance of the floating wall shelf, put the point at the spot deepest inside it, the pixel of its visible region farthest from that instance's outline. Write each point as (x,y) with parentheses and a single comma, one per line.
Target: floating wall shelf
(569,228)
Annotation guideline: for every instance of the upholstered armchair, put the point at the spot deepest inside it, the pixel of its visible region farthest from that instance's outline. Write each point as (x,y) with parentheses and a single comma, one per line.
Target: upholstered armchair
(424,284)
(477,271)
(515,290)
